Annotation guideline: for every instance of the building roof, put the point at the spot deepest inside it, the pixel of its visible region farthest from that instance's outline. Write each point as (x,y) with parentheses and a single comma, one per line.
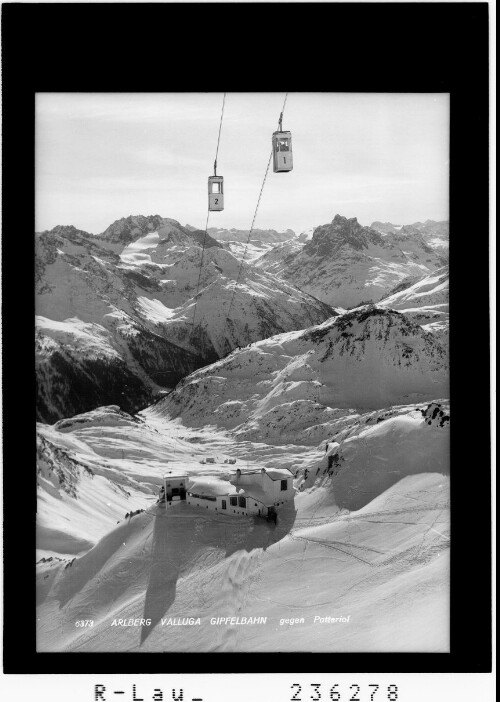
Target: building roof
(273,473)
(215,487)
(279,473)
(211,486)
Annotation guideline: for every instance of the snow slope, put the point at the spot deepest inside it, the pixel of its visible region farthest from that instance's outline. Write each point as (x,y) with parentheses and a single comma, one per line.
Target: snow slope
(266,236)
(261,241)
(425,301)
(383,565)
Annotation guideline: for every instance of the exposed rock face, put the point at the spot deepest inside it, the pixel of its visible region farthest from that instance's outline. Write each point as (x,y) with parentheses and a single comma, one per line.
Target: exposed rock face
(329,238)
(131,228)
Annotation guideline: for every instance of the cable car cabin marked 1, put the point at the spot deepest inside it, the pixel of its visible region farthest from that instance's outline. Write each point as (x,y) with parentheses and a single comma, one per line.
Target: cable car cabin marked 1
(282,152)
(215,193)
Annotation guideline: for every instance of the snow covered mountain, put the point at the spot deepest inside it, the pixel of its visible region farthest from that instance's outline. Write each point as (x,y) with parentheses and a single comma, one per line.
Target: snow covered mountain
(266,236)
(115,312)
(236,304)
(435,234)
(346,264)
(424,301)
(297,386)
(261,241)
(276,259)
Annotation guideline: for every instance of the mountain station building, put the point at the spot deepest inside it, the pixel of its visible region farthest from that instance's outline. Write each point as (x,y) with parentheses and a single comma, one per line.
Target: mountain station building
(256,492)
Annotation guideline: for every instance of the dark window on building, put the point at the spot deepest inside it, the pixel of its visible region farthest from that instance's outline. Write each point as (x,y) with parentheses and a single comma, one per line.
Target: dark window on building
(224,504)
(284,484)
(242,501)
(233,501)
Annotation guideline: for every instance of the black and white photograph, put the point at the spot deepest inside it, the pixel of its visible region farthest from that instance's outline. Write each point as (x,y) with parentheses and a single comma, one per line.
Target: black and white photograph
(248,342)
(242,372)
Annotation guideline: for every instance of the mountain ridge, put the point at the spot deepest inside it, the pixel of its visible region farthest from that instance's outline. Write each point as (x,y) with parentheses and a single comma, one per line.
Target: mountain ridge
(346,264)
(297,383)
(103,303)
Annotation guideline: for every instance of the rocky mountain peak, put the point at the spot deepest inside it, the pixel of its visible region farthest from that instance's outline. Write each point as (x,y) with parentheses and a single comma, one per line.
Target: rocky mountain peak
(133,227)
(328,238)
(129,229)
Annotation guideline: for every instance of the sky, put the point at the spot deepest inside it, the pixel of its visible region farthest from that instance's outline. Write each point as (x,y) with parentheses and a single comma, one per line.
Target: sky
(374,156)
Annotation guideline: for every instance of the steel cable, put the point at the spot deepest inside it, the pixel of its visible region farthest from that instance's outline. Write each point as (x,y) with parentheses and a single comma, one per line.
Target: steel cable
(206,223)
(253,222)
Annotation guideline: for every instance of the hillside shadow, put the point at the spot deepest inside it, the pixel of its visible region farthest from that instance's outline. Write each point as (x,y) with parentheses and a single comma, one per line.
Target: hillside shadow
(182,532)
(84,569)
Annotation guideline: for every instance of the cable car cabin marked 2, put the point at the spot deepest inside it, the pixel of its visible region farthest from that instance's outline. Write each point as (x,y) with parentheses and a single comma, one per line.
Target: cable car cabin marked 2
(215,193)
(282,152)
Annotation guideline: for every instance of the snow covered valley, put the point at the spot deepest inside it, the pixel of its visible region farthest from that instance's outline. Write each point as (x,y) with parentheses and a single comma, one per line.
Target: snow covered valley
(365,540)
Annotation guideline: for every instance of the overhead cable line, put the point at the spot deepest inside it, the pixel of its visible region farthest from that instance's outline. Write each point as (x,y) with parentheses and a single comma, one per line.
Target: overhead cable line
(254,218)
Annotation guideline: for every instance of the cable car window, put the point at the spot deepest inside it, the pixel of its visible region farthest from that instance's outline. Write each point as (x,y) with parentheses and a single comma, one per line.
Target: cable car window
(216,187)
(283,145)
